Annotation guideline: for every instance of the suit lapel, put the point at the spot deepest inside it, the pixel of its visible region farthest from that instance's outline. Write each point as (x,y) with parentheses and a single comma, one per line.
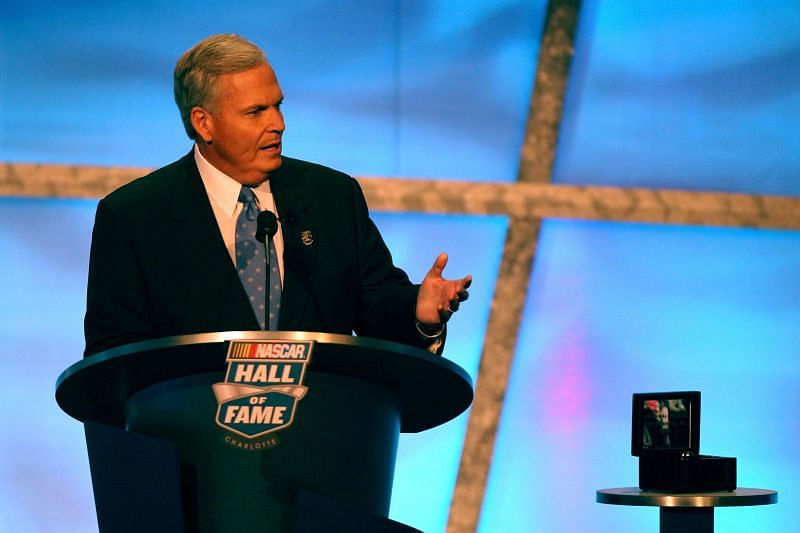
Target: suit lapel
(201,244)
(295,201)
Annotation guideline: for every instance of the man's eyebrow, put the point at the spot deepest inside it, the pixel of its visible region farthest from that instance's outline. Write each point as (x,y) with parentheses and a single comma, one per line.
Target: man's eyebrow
(278,102)
(259,107)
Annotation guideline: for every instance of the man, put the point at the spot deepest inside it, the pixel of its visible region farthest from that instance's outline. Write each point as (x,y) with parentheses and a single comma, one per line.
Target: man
(167,254)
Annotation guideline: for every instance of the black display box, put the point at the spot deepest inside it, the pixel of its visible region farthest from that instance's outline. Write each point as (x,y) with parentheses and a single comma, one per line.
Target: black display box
(665,436)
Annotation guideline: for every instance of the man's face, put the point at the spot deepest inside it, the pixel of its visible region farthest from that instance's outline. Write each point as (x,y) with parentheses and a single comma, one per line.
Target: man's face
(241,129)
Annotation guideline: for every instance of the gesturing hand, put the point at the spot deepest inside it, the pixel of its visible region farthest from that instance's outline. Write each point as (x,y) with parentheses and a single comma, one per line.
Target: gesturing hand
(439,298)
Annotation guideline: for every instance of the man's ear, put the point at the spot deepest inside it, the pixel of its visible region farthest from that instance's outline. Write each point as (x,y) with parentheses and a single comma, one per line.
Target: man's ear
(203,123)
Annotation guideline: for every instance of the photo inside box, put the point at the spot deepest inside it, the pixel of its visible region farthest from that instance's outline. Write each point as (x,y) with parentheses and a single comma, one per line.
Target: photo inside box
(665,423)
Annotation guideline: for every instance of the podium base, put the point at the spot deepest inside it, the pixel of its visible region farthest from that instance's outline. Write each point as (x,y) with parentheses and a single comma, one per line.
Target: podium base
(340,446)
(316,513)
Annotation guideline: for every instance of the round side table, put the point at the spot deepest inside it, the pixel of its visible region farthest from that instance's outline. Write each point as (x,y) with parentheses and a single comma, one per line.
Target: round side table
(686,512)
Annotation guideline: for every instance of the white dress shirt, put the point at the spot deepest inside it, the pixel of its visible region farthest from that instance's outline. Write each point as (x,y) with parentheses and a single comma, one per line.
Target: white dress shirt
(223,193)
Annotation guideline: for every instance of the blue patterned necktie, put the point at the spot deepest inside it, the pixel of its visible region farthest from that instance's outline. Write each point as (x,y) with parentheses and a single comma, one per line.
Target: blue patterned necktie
(251,263)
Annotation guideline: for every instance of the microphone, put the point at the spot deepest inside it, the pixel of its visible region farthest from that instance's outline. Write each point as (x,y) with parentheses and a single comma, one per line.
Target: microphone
(267,225)
(266,228)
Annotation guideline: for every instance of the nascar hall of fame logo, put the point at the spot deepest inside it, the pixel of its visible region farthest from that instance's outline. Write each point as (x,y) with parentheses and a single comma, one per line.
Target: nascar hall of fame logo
(263,384)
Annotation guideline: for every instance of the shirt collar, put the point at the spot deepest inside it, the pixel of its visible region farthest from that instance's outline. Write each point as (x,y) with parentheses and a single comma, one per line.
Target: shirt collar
(221,188)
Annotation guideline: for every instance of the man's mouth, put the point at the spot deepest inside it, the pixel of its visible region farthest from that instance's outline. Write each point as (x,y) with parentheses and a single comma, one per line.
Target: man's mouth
(272,147)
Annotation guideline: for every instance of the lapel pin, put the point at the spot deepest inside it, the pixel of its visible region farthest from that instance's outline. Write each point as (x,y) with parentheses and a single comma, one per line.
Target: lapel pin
(306,237)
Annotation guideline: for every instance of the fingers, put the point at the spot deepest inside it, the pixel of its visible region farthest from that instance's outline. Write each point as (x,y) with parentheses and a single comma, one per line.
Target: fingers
(455,303)
(448,306)
(452,306)
(445,314)
(462,294)
(438,265)
(447,294)
(463,285)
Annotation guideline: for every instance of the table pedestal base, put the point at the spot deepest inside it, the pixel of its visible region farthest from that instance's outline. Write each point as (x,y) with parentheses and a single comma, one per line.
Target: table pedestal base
(686,520)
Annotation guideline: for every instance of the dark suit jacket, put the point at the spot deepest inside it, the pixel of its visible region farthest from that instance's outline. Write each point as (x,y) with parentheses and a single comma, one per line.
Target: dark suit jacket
(159,267)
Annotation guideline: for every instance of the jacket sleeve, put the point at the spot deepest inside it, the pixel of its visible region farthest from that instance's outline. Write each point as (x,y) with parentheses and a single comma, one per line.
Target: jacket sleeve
(388,298)
(116,305)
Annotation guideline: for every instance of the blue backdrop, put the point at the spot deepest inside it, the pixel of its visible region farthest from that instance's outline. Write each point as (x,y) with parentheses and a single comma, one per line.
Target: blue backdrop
(692,96)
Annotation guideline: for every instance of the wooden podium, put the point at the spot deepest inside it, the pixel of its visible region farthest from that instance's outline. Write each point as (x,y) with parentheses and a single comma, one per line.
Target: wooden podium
(160,462)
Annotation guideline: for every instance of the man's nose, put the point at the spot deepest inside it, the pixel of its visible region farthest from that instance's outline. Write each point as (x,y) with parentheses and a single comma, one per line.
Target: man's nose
(275,121)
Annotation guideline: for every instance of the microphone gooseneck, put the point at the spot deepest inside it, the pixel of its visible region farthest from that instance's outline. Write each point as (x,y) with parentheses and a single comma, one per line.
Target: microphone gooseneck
(266,228)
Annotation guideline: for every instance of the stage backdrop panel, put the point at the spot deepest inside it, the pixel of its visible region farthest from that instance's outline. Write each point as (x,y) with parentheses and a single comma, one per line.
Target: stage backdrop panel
(696,96)
(621,308)
(701,96)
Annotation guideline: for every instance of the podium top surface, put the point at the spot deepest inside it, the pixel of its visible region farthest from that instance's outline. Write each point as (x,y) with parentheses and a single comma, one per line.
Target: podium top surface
(432,390)
(736,498)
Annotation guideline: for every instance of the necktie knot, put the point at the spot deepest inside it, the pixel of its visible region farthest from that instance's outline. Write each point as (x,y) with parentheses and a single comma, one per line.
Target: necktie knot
(248,199)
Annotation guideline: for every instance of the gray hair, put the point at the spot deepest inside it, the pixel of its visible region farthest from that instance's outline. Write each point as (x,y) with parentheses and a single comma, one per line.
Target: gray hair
(196,73)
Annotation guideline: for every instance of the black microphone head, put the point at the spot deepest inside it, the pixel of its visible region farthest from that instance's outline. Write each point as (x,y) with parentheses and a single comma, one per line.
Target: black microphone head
(267,225)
